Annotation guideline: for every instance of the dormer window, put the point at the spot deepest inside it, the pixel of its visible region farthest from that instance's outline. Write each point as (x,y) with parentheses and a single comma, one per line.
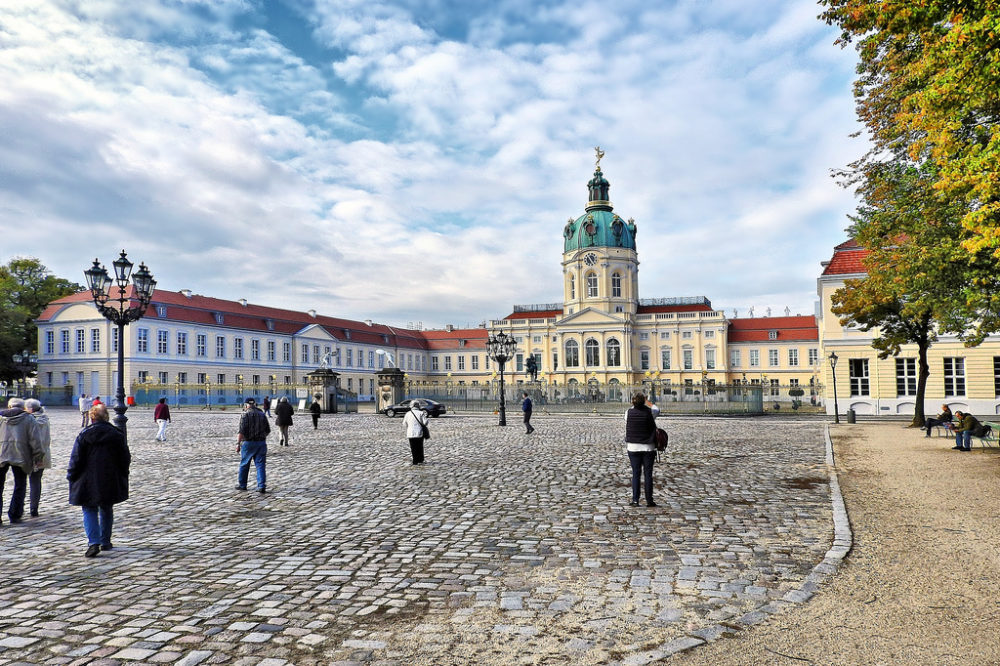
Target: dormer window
(461,343)
(347,334)
(219,319)
(270,324)
(772,335)
(161,311)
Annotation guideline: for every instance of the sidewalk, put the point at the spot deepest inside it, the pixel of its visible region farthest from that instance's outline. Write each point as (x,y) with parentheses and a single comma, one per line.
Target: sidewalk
(922,584)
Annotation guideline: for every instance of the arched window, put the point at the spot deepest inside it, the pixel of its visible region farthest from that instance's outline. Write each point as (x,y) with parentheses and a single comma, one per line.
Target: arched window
(614,353)
(572,287)
(616,285)
(591,285)
(572,354)
(614,390)
(593,352)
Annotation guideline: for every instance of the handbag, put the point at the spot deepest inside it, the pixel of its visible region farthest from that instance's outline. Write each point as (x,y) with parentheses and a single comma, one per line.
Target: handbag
(661,439)
(424,432)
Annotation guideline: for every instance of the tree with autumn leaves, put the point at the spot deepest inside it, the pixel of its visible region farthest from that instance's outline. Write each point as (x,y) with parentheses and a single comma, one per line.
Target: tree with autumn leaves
(927,93)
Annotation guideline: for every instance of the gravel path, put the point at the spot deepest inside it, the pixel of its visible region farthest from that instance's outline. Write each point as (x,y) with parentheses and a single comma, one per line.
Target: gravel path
(922,585)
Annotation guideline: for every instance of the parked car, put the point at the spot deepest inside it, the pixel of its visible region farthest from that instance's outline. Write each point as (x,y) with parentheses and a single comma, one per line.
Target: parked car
(432,408)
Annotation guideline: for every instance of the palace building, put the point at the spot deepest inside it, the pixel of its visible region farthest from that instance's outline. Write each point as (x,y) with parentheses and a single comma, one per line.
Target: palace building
(602,338)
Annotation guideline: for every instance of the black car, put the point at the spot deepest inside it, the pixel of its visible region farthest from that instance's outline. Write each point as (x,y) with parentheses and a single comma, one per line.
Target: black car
(432,408)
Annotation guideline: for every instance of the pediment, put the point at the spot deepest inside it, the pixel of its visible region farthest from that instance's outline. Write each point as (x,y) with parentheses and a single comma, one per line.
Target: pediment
(315,332)
(590,317)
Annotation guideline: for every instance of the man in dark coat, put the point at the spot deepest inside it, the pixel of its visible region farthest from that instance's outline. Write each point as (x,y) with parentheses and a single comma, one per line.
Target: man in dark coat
(98,477)
(526,408)
(283,418)
(315,409)
(251,444)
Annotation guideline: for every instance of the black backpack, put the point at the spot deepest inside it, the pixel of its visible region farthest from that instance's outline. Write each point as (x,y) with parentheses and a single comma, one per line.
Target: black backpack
(983,430)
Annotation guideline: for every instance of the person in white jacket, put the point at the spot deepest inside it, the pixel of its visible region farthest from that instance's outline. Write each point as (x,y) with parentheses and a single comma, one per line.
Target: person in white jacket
(416,425)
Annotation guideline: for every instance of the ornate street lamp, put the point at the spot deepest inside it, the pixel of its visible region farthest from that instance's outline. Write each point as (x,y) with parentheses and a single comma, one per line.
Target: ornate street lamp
(25,362)
(501,347)
(833,371)
(121,307)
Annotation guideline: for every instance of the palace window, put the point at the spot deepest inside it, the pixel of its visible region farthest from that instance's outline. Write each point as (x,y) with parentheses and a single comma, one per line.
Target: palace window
(50,342)
(734,358)
(754,358)
(163,377)
(447,362)
(572,354)
(996,375)
(114,340)
(95,340)
(64,341)
(201,345)
(593,352)
(434,363)
(709,334)
(182,343)
(616,285)
(906,376)
(572,287)
(271,351)
(772,358)
(793,358)
(161,342)
(305,353)
(461,363)
(859,376)
(475,361)
(220,346)
(710,359)
(688,359)
(254,349)
(591,285)
(644,359)
(316,354)
(238,348)
(954,377)
(141,340)
(665,358)
(286,352)
(614,353)
(813,356)
(81,341)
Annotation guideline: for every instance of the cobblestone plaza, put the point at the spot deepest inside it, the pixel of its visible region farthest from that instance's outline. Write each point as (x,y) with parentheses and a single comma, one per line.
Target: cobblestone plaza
(504,548)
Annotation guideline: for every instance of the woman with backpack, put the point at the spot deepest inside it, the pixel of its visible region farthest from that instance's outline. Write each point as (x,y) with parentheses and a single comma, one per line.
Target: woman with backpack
(640,442)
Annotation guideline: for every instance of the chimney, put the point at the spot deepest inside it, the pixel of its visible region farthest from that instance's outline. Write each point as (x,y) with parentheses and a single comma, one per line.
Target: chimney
(243,302)
(449,327)
(368,322)
(186,293)
(312,313)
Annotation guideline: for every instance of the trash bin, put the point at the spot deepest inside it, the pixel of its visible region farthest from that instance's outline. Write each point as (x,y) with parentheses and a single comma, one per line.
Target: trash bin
(851,416)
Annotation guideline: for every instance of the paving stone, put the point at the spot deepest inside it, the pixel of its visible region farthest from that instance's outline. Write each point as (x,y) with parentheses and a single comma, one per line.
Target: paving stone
(357,556)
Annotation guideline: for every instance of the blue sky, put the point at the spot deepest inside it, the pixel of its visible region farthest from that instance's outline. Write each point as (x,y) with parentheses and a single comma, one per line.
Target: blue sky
(416,161)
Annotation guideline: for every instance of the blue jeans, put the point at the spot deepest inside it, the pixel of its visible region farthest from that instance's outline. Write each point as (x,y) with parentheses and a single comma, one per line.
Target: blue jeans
(966,436)
(642,465)
(16,508)
(257,452)
(97,523)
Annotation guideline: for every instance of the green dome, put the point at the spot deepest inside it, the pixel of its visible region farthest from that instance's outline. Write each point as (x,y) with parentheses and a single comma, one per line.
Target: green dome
(599,226)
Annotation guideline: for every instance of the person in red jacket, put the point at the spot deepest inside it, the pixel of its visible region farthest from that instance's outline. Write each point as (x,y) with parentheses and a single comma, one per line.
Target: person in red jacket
(161,414)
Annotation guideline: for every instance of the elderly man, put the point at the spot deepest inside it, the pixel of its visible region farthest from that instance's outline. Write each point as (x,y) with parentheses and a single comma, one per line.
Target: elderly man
(20,451)
(251,444)
(34,407)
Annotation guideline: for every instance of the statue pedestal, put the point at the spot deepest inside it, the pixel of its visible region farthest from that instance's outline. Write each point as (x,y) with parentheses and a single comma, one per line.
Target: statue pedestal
(323,385)
(390,387)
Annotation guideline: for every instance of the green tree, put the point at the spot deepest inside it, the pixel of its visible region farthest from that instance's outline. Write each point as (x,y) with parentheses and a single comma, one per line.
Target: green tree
(928,92)
(26,287)
(915,266)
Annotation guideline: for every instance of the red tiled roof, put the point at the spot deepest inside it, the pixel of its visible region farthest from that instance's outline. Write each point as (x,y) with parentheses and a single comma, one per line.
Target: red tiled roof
(463,338)
(647,309)
(757,329)
(543,314)
(848,259)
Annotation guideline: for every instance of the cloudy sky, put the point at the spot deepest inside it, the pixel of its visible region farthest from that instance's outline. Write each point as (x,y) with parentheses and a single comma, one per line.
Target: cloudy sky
(416,160)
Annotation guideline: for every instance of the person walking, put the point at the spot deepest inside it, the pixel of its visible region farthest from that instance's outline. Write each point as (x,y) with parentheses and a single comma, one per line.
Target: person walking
(944,417)
(34,407)
(526,408)
(251,444)
(640,442)
(98,477)
(283,419)
(267,406)
(84,404)
(20,452)
(161,414)
(316,410)
(416,431)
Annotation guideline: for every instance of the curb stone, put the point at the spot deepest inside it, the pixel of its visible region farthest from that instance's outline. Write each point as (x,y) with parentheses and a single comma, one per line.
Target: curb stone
(843,540)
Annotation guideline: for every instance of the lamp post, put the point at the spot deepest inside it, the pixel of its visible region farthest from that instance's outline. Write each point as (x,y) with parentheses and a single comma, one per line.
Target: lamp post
(501,347)
(833,371)
(118,308)
(25,362)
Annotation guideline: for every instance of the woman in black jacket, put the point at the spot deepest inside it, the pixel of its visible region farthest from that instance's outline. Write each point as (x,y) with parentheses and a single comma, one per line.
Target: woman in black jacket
(640,441)
(283,418)
(98,477)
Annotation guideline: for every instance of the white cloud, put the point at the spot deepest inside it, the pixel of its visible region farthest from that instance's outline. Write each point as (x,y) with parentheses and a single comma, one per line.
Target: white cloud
(418,175)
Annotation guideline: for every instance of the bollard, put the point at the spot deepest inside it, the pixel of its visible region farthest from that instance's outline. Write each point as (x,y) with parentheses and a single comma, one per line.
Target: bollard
(851,417)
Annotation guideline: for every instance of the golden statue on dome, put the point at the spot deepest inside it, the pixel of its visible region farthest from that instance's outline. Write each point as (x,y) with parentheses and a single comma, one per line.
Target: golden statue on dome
(600,154)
